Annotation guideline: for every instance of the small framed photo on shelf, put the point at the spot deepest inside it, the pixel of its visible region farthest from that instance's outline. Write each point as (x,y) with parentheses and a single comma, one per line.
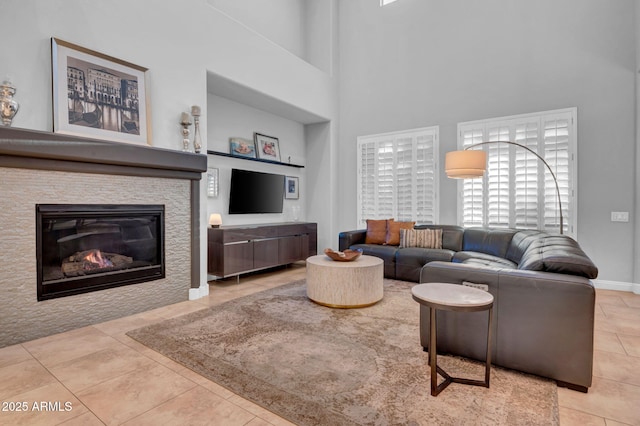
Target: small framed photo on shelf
(267,147)
(291,188)
(242,147)
(98,96)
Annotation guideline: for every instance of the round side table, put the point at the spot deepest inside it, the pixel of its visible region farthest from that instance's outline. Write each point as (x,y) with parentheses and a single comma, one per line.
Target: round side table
(452,297)
(355,284)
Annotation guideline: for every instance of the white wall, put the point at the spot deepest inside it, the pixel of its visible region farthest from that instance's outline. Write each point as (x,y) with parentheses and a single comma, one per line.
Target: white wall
(281,21)
(303,27)
(179,42)
(227,119)
(320,20)
(439,62)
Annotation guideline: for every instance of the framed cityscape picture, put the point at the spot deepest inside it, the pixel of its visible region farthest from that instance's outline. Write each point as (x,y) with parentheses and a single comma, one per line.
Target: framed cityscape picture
(98,96)
(291,188)
(267,147)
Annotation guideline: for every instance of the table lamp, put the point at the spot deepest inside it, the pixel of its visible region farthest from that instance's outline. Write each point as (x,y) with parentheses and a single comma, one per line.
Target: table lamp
(215,220)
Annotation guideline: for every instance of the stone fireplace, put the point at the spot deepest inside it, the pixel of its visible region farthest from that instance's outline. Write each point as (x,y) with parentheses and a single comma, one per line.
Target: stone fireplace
(44,174)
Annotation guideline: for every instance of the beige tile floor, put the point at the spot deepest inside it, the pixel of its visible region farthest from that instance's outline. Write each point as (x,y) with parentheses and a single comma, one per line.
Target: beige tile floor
(104,377)
(614,398)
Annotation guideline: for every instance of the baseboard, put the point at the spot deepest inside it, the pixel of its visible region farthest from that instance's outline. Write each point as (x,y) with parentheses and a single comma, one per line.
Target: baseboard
(617,286)
(197,293)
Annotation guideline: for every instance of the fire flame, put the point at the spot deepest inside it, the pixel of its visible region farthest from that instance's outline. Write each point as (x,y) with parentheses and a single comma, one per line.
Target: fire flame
(96,260)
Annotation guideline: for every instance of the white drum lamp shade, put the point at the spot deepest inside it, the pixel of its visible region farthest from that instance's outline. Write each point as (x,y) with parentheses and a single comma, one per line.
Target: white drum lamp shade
(215,220)
(467,164)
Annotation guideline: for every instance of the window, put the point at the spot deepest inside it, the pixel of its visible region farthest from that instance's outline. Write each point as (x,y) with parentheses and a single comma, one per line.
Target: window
(397,176)
(517,191)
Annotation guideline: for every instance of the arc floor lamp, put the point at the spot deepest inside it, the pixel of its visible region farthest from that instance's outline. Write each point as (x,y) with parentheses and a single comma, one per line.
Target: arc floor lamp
(470,164)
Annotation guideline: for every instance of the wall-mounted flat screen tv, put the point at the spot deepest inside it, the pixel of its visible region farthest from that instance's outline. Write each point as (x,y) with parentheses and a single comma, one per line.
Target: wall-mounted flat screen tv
(255,192)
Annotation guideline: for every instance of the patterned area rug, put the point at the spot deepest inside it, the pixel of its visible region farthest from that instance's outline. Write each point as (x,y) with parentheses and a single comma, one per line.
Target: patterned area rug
(315,365)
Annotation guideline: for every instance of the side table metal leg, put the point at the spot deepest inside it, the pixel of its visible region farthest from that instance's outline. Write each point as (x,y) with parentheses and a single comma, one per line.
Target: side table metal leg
(433,351)
(488,364)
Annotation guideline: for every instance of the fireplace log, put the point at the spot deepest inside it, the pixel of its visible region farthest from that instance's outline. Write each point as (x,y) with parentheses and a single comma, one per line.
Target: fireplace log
(77,264)
(71,269)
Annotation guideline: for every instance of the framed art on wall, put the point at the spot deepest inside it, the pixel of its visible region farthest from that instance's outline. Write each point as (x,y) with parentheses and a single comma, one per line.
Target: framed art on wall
(267,147)
(98,96)
(291,188)
(242,147)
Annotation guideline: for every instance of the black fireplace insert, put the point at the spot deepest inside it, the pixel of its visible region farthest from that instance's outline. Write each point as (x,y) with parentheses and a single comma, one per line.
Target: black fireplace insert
(89,247)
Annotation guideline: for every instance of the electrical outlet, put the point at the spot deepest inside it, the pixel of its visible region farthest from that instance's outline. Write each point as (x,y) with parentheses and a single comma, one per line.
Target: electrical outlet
(619,216)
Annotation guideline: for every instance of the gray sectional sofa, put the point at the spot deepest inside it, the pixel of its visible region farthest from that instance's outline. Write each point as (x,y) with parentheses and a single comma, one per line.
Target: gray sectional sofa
(544,300)
(495,248)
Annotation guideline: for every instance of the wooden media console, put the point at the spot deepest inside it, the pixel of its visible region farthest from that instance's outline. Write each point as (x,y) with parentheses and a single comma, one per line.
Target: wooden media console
(235,250)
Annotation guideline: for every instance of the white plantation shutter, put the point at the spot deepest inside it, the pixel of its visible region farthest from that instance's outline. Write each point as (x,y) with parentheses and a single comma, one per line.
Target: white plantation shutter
(425,178)
(517,191)
(557,154)
(397,176)
(473,213)
(385,191)
(498,181)
(404,179)
(367,179)
(528,172)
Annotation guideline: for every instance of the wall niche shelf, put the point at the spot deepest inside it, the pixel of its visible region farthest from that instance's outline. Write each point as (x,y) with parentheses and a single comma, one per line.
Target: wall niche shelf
(260,160)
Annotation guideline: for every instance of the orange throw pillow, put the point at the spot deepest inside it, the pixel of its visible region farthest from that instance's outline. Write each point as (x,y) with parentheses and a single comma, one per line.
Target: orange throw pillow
(376,231)
(393,231)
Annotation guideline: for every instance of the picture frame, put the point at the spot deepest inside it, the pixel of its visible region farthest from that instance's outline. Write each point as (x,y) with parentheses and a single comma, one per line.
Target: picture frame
(267,147)
(240,147)
(99,96)
(291,188)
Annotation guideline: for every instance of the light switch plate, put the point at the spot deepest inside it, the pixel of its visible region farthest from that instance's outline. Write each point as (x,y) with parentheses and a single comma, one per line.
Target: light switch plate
(619,216)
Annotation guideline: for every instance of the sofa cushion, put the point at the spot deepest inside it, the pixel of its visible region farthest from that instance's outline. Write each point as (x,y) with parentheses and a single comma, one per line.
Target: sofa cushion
(558,253)
(482,259)
(451,235)
(424,238)
(376,231)
(411,255)
(521,242)
(386,253)
(393,231)
(346,239)
(490,241)
(409,261)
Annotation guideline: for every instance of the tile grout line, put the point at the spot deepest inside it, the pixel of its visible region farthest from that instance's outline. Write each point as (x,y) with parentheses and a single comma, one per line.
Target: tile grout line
(585,413)
(64,386)
(622,345)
